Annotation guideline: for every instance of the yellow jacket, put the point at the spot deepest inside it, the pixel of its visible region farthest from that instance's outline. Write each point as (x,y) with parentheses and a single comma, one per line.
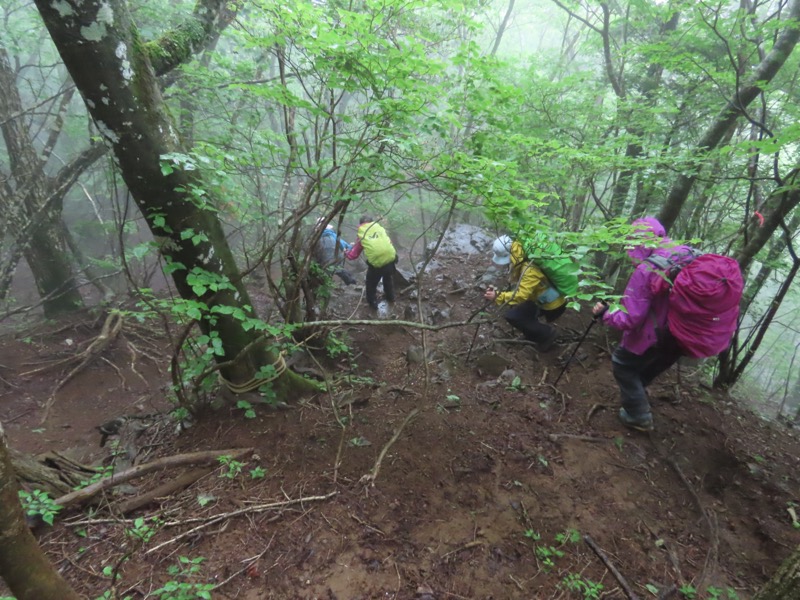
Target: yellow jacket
(530,283)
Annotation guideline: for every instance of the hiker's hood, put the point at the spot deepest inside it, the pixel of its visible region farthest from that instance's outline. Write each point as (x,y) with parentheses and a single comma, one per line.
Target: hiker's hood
(647,228)
(517,254)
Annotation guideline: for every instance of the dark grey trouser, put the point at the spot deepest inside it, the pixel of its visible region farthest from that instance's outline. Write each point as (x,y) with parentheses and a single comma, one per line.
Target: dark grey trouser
(634,372)
(525,317)
(374,275)
(345,276)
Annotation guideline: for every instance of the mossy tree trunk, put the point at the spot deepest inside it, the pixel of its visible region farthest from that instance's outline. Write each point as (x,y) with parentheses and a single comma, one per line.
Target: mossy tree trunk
(114,71)
(785,583)
(23,565)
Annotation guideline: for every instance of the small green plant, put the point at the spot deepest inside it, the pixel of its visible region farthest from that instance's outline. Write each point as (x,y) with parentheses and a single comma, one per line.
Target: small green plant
(107,595)
(142,531)
(715,593)
(547,555)
(185,590)
(232,468)
(249,411)
(619,442)
(102,473)
(586,588)
(571,536)
(336,346)
(688,591)
(39,504)
(535,536)
(515,385)
(358,441)
(257,473)
(452,402)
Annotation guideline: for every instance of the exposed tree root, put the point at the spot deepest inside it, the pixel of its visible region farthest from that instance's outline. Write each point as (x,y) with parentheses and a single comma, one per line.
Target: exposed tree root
(110,331)
(710,518)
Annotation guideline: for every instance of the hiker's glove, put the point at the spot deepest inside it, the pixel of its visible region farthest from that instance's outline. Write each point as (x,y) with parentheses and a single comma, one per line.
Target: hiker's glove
(599,309)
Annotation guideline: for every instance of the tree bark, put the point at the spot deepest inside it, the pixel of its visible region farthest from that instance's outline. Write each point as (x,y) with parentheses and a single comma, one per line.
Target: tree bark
(785,583)
(111,68)
(23,565)
(735,107)
(28,211)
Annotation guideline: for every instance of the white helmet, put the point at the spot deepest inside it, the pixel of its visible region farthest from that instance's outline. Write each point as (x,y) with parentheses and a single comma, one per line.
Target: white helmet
(502,250)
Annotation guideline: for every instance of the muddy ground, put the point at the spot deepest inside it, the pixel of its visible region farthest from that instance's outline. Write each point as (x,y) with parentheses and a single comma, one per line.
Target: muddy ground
(443,478)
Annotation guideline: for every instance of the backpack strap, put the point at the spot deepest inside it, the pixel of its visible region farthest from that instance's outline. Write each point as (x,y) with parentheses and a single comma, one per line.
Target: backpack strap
(661,262)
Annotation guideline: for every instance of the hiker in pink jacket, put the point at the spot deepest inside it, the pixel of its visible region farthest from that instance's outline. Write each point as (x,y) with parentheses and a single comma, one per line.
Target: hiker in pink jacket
(646,349)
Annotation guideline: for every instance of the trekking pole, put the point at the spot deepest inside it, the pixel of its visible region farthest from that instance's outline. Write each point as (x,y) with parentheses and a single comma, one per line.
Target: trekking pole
(477,328)
(594,320)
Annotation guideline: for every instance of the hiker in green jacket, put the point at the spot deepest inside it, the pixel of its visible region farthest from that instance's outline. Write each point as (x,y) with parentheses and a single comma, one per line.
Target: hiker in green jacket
(381,258)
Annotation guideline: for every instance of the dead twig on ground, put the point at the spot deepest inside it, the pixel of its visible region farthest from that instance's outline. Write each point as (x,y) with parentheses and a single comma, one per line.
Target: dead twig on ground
(595,407)
(554,437)
(623,583)
(371,477)
(213,519)
(467,546)
(249,563)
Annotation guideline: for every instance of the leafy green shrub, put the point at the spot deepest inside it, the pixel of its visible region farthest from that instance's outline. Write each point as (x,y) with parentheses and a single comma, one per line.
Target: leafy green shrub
(185,590)
(39,504)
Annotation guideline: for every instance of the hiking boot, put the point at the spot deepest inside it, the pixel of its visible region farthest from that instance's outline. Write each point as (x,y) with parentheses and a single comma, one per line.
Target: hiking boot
(547,344)
(641,423)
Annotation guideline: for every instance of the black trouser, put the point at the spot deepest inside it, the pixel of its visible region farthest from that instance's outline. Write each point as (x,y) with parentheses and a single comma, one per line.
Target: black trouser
(374,275)
(345,276)
(525,317)
(634,372)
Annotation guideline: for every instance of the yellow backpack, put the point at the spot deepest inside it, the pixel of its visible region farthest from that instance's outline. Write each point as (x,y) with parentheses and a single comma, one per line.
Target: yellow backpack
(377,246)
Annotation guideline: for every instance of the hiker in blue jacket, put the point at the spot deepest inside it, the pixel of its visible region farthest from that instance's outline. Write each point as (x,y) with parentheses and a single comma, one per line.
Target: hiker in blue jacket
(329,253)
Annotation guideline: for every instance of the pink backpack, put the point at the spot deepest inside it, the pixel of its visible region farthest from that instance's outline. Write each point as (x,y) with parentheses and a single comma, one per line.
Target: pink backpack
(704,298)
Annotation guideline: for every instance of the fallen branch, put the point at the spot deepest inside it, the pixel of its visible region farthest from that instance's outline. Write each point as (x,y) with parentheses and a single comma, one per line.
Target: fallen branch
(554,437)
(623,583)
(371,477)
(178,460)
(212,519)
(167,489)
